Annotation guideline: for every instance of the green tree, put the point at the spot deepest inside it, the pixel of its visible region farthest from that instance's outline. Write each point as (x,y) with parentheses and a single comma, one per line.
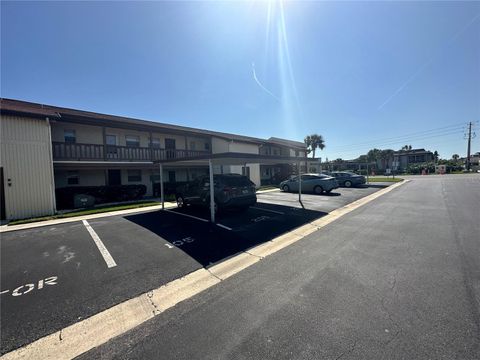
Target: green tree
(386,156)
(455,157)
(436,155)
(373,155)
(314,142)
(406,147)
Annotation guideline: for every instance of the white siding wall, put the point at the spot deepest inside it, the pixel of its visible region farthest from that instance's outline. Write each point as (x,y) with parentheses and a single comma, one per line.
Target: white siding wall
(85,134)
(246,149)
(199,143)
(94,177)
(26,161)
(122,133)
(219,145)
(254,172)
(243,148)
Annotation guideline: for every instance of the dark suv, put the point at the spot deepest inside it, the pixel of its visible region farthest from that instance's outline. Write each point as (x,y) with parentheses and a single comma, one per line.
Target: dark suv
(230,191)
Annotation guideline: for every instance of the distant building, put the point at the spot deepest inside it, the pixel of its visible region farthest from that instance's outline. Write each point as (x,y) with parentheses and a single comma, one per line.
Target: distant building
(403,158)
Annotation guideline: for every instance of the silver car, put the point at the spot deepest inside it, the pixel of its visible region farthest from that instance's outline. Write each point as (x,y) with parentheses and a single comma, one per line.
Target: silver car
(316,183)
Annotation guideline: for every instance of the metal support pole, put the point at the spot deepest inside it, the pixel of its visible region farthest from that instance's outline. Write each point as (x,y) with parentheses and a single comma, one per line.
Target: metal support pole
(212,198)
(161,187)
(300,185)
(367,172)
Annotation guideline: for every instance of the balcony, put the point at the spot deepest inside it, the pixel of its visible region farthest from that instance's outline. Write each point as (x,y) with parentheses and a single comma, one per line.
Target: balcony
(95,152)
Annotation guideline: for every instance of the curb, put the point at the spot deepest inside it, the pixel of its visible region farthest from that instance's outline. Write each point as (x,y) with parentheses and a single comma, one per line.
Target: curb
(98,329)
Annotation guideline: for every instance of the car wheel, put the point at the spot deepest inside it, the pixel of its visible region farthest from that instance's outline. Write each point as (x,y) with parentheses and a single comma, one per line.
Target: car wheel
(286,188)
(180,201)
(318,189)
(348,183)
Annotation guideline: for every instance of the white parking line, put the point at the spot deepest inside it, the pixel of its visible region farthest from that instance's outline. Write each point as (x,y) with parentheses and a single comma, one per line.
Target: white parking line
(96,330)
(190,216)
(272,211)
(223,226)
(103,250)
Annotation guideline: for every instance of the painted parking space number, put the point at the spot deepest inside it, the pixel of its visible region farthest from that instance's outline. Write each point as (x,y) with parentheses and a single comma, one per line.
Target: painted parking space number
(261,218)
(186,240)
(25,289)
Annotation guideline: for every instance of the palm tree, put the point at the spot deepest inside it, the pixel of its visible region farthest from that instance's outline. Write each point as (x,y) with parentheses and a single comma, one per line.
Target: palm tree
(313,142)
(373,155)
(436,155)
(386,156)
(406,147)
(455,157)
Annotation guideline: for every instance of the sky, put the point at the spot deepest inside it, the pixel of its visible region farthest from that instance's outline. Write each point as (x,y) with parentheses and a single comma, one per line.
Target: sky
(361,74)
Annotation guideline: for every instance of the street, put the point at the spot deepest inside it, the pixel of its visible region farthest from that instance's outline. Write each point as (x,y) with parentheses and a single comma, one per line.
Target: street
(398,278)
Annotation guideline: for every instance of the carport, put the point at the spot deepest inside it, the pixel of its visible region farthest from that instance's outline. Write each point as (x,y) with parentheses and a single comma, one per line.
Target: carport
(228,158)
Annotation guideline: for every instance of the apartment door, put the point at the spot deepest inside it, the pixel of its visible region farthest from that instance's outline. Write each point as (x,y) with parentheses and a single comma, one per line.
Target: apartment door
(170,148)
(2,196)
(114,177)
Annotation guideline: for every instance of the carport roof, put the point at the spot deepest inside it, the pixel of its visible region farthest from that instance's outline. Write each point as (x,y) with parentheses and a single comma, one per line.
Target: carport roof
(233,158)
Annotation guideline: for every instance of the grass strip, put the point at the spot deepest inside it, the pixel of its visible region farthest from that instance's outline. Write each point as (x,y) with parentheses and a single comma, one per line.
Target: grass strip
(97,210)
(384,179)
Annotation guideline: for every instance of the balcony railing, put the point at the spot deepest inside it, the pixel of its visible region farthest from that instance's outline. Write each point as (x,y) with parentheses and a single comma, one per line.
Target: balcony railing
(95,152)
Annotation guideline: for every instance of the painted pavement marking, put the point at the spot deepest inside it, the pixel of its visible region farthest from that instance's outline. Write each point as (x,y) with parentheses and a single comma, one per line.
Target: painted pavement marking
(101,247)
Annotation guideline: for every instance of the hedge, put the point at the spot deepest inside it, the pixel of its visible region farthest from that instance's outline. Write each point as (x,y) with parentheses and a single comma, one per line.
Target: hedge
(102,194)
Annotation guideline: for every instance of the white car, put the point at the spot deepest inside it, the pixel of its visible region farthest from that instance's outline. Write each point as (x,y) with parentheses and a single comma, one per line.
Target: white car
(316,183)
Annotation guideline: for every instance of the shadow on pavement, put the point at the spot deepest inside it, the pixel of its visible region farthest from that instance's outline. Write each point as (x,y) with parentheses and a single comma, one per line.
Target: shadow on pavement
(209,243)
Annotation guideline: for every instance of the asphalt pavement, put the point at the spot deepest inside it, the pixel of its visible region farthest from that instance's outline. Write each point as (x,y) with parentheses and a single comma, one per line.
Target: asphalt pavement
(398,278)
(55,276)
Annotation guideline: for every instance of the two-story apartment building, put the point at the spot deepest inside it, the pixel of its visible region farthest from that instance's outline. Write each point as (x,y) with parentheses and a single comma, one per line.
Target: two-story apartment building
(403,158)
(45,147)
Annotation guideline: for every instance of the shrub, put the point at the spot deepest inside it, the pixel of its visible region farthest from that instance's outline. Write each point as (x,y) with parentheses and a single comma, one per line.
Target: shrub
(102,194)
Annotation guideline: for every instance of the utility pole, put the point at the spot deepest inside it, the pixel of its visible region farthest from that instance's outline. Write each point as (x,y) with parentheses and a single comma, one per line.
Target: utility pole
(468,144)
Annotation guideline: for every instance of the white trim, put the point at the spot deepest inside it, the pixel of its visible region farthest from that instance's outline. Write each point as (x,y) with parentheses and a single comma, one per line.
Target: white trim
(101,247)
(224,227)
(190,216)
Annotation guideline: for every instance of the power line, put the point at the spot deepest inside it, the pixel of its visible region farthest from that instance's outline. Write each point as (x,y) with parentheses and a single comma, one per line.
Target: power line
(400,141)
(405,136)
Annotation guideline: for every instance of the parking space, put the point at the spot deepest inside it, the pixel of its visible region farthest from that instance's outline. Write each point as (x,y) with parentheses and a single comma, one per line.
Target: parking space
(55,276)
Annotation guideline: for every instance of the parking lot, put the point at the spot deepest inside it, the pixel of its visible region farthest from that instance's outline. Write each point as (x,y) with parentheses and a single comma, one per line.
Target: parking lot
(54,276)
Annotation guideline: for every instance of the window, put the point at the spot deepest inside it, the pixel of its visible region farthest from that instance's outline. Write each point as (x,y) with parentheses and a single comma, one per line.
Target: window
(132,141)
(111,141)
(156,143)
(171,176)
(192,145)
(207,146)
(72,177)
(134,175)
(297,153)
(246,171)
(69,136)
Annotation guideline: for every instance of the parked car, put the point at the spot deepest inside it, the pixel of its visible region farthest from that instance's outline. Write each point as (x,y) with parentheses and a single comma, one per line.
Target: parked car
(317,183)
(348,179)
(230,191)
